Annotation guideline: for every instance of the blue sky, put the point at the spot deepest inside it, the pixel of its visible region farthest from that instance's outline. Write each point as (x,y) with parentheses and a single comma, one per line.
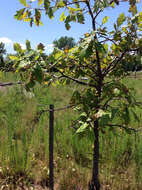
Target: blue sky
(12,30)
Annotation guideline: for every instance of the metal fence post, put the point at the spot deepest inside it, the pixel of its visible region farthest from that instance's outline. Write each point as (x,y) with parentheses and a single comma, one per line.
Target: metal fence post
(51,146)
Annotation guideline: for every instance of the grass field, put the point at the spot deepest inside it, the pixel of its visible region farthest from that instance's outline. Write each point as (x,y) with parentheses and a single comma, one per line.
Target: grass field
(24,143)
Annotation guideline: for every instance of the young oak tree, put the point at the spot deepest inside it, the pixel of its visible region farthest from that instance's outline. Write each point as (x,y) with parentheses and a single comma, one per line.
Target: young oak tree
(98,57)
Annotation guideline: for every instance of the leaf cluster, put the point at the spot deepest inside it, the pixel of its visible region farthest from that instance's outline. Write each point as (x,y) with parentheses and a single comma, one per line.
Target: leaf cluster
(95,63)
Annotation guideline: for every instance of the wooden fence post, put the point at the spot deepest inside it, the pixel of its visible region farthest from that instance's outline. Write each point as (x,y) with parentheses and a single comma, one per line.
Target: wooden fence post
(51,146)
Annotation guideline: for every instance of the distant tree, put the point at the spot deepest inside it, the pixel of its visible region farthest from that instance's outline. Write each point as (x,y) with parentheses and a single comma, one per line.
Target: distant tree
(2,52)
(133,64)
(64,42)
(2,48)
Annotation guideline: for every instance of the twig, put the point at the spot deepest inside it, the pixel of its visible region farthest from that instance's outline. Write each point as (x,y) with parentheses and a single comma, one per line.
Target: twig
(76,80)
(126,128)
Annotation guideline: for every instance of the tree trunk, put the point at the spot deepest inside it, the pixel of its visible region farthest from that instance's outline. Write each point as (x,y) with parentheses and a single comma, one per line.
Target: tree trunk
(94,184)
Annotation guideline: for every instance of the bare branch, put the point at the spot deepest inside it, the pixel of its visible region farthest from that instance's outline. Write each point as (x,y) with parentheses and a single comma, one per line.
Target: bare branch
(126,128)
(76,80)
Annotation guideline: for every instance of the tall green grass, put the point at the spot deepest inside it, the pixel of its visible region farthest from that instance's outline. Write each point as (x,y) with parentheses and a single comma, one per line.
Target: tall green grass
(24,144)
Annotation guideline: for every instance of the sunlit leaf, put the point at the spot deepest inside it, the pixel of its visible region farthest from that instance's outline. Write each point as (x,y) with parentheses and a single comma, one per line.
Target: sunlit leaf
(82,128)
(62,17)
(19,14)
(28,45)
(23,2)
(40,2)
(121,19)
(17,47)
(105,19)
(12,57)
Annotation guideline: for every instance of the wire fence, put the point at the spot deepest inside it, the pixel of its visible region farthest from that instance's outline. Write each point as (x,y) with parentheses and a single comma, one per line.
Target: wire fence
(51,111)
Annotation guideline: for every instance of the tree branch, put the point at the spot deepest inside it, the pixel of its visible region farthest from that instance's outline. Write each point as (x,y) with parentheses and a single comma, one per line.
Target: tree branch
(77,81)
(114,63)
(91,14)
(126,128)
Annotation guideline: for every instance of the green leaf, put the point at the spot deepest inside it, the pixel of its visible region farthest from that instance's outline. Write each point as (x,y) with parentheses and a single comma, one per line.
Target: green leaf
(23,64)
(62,17)
(37,17)
(23,2)
(106,47)
(27,19)
(13,57)
(100,47)
(30,85)
(38,74)
(67,25)
(24,16)
(19,14)
(29,54)
(105,19)
(40,2)
(28,45)
(126,116)
(116,92)
(61,4)
(83,117)
(87,50)
(31,22)
(104,117)
(80,18)
(17,48)
(102,113)
(82,128)
(133,9)
(135,116)
(46,4)
(121,19)
(113,4)
(50,13)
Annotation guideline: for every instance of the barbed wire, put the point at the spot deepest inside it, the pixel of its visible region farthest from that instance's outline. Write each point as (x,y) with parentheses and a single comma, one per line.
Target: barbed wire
(39,113)
(3,84)
(57,109)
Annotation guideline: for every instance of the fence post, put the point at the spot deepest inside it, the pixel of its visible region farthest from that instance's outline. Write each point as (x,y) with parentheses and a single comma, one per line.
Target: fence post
(51,143)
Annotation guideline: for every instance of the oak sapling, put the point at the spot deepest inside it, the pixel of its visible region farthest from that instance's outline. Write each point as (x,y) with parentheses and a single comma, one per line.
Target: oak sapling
(98,57)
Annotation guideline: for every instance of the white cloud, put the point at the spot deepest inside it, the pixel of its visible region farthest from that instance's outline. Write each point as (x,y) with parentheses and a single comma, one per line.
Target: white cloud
(6,40)
(32,1)
(23,46)
(50,45)
(49,48)
(9,44)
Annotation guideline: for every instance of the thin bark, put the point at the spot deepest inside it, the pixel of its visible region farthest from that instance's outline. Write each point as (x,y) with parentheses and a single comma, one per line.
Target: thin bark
(95,183)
